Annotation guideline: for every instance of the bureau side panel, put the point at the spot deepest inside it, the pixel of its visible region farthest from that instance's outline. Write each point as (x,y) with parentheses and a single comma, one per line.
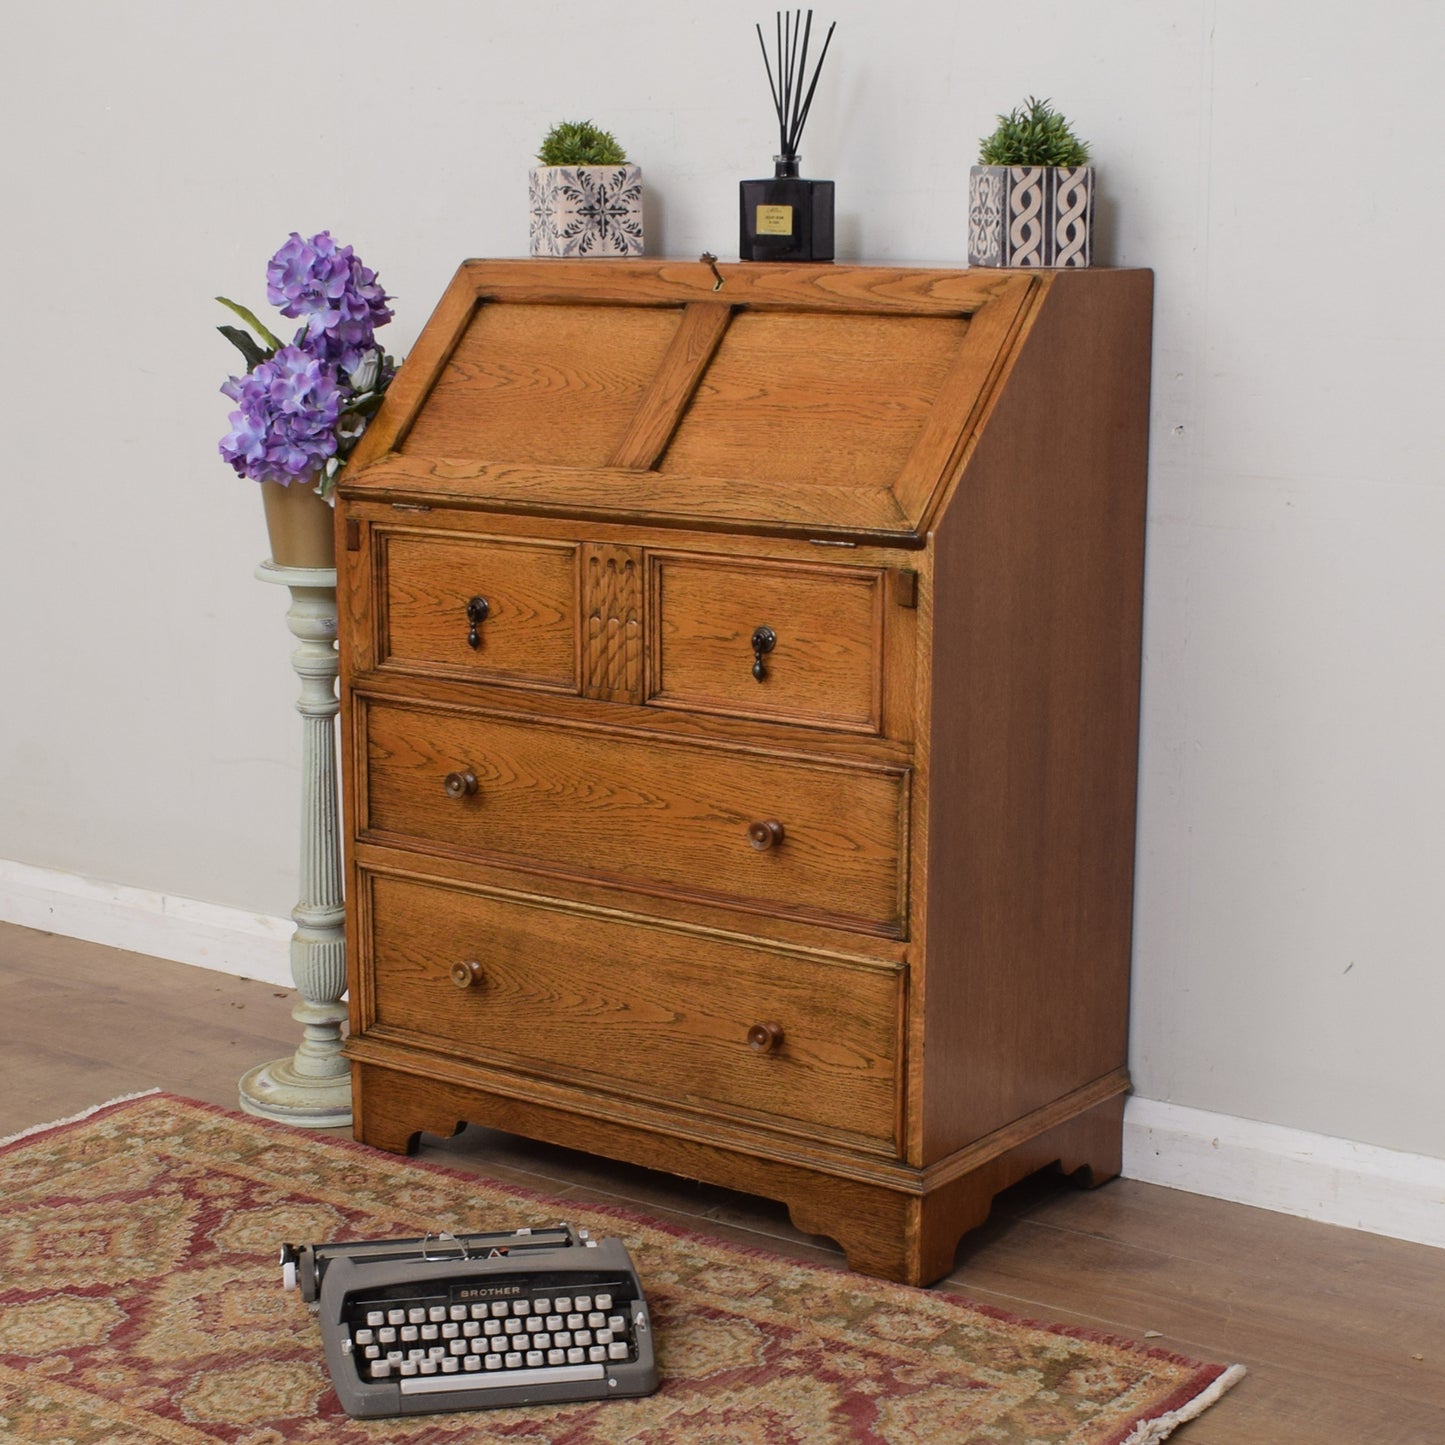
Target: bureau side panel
(1034,722)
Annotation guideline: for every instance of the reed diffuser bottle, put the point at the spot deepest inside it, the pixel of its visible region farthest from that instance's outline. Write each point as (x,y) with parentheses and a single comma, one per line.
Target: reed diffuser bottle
(787,217)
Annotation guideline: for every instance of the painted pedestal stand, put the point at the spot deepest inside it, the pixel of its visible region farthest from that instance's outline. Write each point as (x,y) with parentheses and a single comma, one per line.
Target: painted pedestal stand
(313,1087)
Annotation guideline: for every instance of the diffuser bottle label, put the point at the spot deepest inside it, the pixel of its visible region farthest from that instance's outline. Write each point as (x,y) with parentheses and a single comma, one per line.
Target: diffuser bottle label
(774,221)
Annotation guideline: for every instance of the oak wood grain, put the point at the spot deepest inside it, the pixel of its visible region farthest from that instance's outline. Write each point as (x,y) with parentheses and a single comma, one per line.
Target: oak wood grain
(613,494)
(634,1008)
(692,347)
(603,804)
(722,917)
(962,399)
(826,399)
(547,384)
(427,579)
(824,668)
(897,290)
(1036,649)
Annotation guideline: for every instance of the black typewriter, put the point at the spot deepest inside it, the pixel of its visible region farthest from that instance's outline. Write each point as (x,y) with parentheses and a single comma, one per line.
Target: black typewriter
(476,1321)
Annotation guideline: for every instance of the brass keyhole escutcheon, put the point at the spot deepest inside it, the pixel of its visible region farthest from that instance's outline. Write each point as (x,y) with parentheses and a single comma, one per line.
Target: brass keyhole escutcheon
(477,609)
(764,640)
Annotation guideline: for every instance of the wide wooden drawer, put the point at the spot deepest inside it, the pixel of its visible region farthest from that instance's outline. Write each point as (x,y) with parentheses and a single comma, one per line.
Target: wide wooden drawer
(680,1017)
(759,639)
(771,833)
(481,608)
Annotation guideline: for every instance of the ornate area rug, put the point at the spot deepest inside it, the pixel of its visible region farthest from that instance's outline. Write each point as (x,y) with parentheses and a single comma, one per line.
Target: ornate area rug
(140,1301)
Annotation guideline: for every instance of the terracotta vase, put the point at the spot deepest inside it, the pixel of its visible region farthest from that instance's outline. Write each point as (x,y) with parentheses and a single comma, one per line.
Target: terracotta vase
(301,525)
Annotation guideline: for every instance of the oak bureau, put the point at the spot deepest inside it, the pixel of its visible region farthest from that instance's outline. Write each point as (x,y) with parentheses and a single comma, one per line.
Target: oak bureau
(740,696)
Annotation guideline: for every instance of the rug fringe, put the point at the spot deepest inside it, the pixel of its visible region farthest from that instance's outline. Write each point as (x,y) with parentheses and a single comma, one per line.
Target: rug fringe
(76,1118)
(1150,1432)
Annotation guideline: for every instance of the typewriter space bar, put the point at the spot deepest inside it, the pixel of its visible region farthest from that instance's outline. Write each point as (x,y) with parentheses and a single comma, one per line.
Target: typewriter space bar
(498,1379)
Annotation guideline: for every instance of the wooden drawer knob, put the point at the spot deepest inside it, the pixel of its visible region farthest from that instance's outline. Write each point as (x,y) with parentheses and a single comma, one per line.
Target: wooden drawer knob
(460,785)
(765,834)
(765,1038)
(467,974)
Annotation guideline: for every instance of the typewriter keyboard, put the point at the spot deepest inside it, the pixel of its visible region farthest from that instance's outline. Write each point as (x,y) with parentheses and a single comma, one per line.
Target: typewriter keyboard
(443,1343)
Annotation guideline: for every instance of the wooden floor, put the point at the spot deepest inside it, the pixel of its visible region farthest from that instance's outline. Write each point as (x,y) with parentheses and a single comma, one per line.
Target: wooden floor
(1343,1333)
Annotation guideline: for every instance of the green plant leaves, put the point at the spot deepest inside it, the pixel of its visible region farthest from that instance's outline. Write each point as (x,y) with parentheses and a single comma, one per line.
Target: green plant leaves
(1032,135)
(580,143)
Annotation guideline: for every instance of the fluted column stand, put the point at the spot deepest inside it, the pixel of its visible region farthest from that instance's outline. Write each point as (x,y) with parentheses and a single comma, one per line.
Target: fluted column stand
(313,1087)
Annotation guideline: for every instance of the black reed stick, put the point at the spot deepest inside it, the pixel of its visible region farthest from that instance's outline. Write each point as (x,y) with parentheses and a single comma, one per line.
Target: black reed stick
(790,99)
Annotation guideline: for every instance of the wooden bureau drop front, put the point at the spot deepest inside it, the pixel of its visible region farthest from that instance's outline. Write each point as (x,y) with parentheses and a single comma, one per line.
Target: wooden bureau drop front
(740,708)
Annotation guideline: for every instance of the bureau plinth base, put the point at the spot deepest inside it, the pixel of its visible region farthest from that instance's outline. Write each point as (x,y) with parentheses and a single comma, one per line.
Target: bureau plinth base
(891,1221)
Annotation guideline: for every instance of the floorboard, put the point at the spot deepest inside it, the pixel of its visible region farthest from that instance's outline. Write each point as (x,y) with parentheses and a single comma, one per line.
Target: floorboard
(1343,1333)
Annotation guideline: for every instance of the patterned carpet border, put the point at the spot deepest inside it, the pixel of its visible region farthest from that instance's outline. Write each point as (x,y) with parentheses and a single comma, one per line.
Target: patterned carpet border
(140,1304)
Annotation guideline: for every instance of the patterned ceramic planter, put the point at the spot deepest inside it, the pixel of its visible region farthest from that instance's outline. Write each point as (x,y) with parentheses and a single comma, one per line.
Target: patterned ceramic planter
(1030,215)
(586,210)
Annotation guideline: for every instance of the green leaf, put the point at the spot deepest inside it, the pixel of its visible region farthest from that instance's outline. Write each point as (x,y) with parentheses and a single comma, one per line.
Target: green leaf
(274,342)
(245,343)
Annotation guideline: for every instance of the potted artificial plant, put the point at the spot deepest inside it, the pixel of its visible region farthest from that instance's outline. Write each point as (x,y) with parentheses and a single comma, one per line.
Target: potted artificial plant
(1031,197)
(585,195)
(302,406)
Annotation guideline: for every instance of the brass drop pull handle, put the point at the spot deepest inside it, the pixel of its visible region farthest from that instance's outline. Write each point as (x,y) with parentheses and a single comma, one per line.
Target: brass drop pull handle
(460,785)
(467,973)
(477,610)
(766,834)
(765,1038)
(764,640)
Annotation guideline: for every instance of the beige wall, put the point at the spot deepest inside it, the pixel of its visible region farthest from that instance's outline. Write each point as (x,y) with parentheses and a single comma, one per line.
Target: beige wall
(1276,164)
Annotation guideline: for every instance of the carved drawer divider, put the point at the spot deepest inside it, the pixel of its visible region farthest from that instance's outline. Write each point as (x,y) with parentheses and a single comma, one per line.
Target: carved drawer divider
(612,630)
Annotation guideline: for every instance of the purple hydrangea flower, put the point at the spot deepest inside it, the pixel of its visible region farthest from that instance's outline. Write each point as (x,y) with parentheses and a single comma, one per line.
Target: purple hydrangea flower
(285,425)
(336,295)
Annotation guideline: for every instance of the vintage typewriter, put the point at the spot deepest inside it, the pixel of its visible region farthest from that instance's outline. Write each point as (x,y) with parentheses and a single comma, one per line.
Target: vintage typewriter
(476,1321)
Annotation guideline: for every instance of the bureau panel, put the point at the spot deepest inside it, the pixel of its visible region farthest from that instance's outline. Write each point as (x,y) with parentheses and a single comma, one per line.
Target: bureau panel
(766,640)
(769,833)
(552,384)
(683,1018)
(481,608)
(836,400)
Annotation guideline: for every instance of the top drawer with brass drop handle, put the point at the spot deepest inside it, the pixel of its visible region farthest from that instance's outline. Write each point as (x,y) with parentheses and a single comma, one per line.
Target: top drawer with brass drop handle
(484,609)
(784,642)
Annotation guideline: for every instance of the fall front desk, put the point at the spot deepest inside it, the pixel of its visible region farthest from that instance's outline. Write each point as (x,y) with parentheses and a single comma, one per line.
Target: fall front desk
(740,697)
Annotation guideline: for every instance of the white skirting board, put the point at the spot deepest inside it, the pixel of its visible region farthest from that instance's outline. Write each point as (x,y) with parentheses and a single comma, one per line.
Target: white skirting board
(1313,1176)
(229,940)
